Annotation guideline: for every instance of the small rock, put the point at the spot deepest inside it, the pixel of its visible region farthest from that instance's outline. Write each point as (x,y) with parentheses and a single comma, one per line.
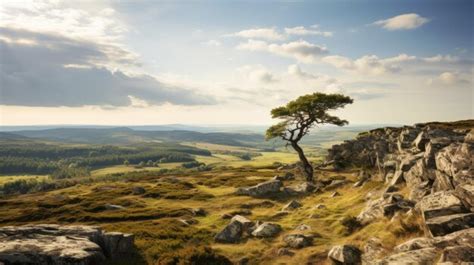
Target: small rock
(230,234)
(114,207)
(244,261)
(285,252)
(291,206)
(198,212)
(345,254)
(298,240)
(335,194)
(303,227)
(320,206)
(267,230)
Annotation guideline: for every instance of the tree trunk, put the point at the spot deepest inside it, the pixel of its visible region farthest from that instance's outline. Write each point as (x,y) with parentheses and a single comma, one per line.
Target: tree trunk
(307,168)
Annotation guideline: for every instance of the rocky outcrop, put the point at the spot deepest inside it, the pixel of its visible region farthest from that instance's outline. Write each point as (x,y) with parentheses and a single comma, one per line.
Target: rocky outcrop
(436,164)
(55,244)
(263,189)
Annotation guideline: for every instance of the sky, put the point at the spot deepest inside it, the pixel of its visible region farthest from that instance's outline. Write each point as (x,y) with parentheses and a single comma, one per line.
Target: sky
(231,62)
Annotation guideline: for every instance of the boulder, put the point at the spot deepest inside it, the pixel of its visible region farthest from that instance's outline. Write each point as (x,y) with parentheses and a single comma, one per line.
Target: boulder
(457,254)
(419,191)
(439,204)
(292,205)
(55,244)
(454,158)
(414,244)
(442,225)
(345,254)
(462,237)
(466,194)
(246,223)
(267,230)
(231,233)
(421,140)
(424,256)
(297,240)
(266,188)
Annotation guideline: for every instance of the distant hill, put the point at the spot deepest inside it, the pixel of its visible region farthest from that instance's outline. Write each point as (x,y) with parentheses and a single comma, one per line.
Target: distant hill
(125,135)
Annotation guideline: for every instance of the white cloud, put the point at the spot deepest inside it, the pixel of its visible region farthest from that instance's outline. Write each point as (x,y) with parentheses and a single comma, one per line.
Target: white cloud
(451,78)
(260,33)
(295,70)
(300,50)
(212,43)
(402,22)
(79,59)
(441,58)
(302,31)
(257,73)
(369,64)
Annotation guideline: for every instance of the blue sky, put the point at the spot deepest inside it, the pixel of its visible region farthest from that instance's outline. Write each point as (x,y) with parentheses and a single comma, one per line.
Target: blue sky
(202,62)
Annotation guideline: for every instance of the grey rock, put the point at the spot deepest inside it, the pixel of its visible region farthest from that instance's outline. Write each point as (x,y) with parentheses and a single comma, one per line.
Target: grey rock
(232,233)
(461,237)
(457,254)
(466,194)
(267,230)
(55,244)
(297,240)
(345,254)
(198,212)
(246,223)
(266,188)
(292,205)
(414,244)
(442,225)
(439,204)
(424,256)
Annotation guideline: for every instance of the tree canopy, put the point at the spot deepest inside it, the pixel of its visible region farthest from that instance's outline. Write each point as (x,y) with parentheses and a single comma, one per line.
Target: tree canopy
(300,115)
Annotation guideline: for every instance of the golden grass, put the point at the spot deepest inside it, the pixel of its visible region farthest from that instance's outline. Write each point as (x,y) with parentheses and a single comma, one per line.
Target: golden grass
(9,178)
(154,216)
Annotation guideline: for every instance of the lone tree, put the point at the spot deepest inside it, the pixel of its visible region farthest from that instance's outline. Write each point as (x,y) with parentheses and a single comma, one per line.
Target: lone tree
(302,114)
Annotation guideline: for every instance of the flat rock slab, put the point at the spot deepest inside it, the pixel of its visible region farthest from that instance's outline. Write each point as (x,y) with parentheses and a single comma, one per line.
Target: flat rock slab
(425,256)
(54,244)
(443,225)
(439,204)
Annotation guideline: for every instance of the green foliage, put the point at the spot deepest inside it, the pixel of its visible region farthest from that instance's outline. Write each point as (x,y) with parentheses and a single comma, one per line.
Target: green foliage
(301,114)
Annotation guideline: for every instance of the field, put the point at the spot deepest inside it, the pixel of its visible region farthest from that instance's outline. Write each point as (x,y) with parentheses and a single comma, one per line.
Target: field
(156,216)
(10,178)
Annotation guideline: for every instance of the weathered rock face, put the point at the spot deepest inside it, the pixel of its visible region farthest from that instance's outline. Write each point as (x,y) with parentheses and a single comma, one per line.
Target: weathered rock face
(425,256)
(345,254)
(262,189)
(436,163)
(54,244)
